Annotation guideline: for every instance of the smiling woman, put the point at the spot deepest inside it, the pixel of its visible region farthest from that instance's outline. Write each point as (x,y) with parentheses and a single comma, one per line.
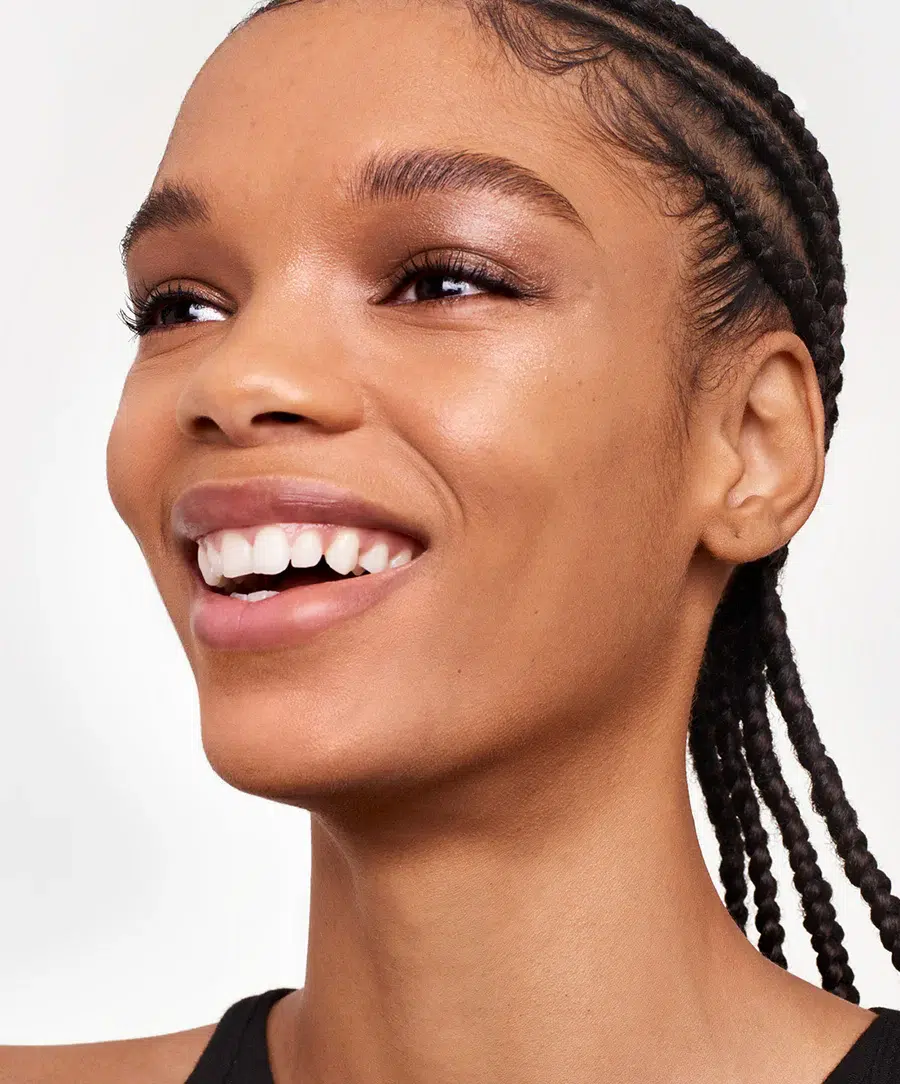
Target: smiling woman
(476,402)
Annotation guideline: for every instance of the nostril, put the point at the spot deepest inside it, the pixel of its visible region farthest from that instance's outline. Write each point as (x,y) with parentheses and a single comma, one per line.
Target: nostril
(279,416)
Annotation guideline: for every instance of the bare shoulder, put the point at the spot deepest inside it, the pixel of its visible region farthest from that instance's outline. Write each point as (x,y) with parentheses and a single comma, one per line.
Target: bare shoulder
(160,1059)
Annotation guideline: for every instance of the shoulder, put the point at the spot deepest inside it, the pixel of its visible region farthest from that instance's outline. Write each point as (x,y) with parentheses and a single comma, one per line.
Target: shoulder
(161,1059)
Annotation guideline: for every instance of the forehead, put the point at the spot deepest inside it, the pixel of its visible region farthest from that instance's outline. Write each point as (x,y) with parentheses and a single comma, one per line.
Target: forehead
(327,74)
(292,100)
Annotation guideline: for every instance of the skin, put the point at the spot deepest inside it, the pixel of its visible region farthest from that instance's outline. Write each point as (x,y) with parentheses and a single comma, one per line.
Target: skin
(506,879)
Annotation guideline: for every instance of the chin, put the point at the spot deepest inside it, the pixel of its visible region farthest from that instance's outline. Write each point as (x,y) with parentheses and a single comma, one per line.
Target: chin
(291,752)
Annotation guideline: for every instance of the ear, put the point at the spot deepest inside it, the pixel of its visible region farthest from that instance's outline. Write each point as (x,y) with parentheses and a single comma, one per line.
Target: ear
(760,456)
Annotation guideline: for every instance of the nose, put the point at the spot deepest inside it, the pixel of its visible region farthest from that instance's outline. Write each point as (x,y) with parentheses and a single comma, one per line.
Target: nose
(246,394)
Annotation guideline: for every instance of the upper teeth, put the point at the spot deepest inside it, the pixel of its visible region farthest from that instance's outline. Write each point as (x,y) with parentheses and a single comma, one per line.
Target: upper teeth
(269,550)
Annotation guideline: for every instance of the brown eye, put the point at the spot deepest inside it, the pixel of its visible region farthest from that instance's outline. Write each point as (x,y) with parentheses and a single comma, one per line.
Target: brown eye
(441,278)
(170,308)
(184,310)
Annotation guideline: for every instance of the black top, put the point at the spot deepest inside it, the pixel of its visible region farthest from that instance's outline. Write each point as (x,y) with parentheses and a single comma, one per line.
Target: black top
(237,1054)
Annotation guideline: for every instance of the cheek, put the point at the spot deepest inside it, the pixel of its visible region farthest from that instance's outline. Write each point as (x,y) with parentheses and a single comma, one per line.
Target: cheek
(564,562)
(138,452)
(558,454)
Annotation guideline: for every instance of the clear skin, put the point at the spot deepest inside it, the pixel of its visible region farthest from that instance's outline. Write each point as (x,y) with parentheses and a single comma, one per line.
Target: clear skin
(506,879)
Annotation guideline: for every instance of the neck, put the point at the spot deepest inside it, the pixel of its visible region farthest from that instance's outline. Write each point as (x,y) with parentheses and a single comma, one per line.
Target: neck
(556,925)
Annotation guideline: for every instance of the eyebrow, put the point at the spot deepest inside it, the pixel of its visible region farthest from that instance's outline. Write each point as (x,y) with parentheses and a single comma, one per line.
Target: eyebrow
(407,174)
(167,208)
(384,176)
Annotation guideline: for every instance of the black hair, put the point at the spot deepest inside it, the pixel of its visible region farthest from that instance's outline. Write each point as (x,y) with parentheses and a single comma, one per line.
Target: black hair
(767,252)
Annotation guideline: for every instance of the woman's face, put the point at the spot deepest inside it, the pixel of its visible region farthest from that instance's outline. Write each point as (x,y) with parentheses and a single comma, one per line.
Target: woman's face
(529,440)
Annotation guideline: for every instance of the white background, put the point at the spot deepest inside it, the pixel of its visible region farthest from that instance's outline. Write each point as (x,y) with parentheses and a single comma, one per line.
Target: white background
(139,894)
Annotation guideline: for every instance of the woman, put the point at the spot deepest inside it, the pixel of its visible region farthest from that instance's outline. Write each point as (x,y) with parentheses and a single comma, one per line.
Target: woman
(489,356)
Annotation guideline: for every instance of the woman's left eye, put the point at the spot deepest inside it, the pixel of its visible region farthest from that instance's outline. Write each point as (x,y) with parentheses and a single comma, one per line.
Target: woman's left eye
(169,308)
(440,279)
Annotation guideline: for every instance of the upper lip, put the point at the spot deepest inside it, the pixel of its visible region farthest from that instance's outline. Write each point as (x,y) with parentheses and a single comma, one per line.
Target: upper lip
(216,506)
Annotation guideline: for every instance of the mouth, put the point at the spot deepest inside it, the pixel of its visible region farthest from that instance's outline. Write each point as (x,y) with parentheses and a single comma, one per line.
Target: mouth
(282,580)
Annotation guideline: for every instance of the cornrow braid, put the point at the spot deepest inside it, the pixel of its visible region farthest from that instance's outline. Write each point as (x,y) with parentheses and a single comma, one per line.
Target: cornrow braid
(788,278)
(775,240)
(828,796)
(727,737)
(820,919)
(708,702)
(737,776)
(683,30)
(815,213)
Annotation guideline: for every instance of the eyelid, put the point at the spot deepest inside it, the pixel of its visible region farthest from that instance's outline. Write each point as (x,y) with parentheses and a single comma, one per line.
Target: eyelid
(177,287)
(454,265)
(464,262)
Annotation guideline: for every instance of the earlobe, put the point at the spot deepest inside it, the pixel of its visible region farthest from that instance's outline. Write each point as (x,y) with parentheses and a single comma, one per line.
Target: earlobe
(746,533)
(767,461)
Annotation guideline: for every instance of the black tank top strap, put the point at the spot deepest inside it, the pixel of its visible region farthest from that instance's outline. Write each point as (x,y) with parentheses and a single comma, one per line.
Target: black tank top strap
(875,1056)
(237,1052)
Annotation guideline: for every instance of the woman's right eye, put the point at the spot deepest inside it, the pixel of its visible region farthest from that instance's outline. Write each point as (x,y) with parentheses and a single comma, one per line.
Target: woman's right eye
(169,308)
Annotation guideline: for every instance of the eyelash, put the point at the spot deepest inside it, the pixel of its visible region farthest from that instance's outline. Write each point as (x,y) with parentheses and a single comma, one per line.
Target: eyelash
(140,312)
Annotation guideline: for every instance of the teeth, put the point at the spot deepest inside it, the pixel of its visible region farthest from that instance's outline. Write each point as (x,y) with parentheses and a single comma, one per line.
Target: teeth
(271,551)
(307,549)
(237,555)
(210,563)
(206,569)
(230,555)
(215,560)
(343,553)
(376,560)
(257,596)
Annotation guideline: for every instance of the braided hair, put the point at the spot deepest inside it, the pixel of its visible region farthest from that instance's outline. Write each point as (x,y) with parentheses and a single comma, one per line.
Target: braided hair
(766,253)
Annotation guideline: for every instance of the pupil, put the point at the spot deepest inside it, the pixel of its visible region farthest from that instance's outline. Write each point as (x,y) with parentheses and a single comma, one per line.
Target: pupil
(177,312)
(441,281)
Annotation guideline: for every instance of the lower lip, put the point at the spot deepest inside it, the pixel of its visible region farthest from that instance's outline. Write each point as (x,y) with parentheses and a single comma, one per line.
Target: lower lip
(292,616)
